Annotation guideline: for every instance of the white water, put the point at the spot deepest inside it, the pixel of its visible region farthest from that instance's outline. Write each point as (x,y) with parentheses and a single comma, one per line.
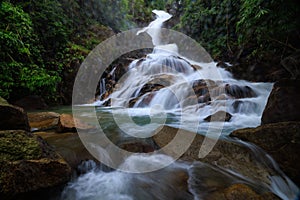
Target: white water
(180,181)
(166,67)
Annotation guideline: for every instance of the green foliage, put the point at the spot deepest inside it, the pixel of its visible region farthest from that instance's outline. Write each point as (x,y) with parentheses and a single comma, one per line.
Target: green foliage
(233,27)
(211,23)
(41,41)
(21,67)
(268,25)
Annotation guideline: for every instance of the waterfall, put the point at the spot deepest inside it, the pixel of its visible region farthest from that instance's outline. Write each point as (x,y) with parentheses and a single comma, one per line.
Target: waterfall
(180,85)
(165,86)
(154,27)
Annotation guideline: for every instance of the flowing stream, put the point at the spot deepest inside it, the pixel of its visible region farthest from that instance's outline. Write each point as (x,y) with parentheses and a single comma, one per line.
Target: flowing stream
(165,88)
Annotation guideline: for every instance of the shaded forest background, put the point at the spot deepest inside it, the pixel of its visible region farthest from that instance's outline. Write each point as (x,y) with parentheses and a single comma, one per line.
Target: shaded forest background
(43,42)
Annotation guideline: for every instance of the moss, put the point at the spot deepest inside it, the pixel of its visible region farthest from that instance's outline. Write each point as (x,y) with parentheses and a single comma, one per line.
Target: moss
(18,145)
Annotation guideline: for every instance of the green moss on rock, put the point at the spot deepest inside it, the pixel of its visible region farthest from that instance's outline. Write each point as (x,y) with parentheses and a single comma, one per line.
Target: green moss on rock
(28,164)
(18,145)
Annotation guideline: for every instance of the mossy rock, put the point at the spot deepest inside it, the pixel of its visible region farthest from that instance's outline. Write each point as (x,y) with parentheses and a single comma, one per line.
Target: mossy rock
(28,164)
(18,145)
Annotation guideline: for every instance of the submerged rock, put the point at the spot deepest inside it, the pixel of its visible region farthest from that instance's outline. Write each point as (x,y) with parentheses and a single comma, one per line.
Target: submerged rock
(68,145)
(67,123)
(12,117)
(238,92)
(43,120)
(281,141)
(28,164)
(137,147)
(226,154)
(219,116)
(283,103)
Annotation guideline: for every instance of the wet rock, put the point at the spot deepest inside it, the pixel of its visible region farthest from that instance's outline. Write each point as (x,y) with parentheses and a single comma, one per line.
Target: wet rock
(241,192)
(283,103)
(43,120)
(32,102)
(148,90)
(68,145)
(219,116)
(239,92)
(201,87)
(210,182)
(281,141)
(12,117)
(196,67)
(137,147)
(227,154)
(67,123)
(244,106)
(145,100)
(28,164)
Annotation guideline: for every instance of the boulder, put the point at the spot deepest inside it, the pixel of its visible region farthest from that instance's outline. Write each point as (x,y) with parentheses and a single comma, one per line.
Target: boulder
(219,116)
(68,145)
(67,123)
(43,120)
(283,103)
(226,154)
(281,141)
(12,117)
(28,164)
(31,102)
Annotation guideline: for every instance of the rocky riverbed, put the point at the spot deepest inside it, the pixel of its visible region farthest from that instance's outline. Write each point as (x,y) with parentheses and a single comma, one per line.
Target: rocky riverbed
(39,151)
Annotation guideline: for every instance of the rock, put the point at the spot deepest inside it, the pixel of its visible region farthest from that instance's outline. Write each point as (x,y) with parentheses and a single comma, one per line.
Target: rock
(244,106)
(145,100)
(148,90)
(200,86)
(69,146)
(283,103)
(241,191)
(239,92)
(32,102)
(227,154)
(206,90)
(67,123)
(12,117)
(281,141)
(43,120)
(219,116)
(137,147)
(28,164)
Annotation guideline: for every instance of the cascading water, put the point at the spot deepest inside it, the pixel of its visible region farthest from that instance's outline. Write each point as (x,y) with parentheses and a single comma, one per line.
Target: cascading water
(182,86)
(164,83)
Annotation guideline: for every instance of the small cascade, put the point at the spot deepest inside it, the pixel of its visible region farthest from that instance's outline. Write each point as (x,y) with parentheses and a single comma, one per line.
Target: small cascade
(280,185)
(102,87)
(177,181)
